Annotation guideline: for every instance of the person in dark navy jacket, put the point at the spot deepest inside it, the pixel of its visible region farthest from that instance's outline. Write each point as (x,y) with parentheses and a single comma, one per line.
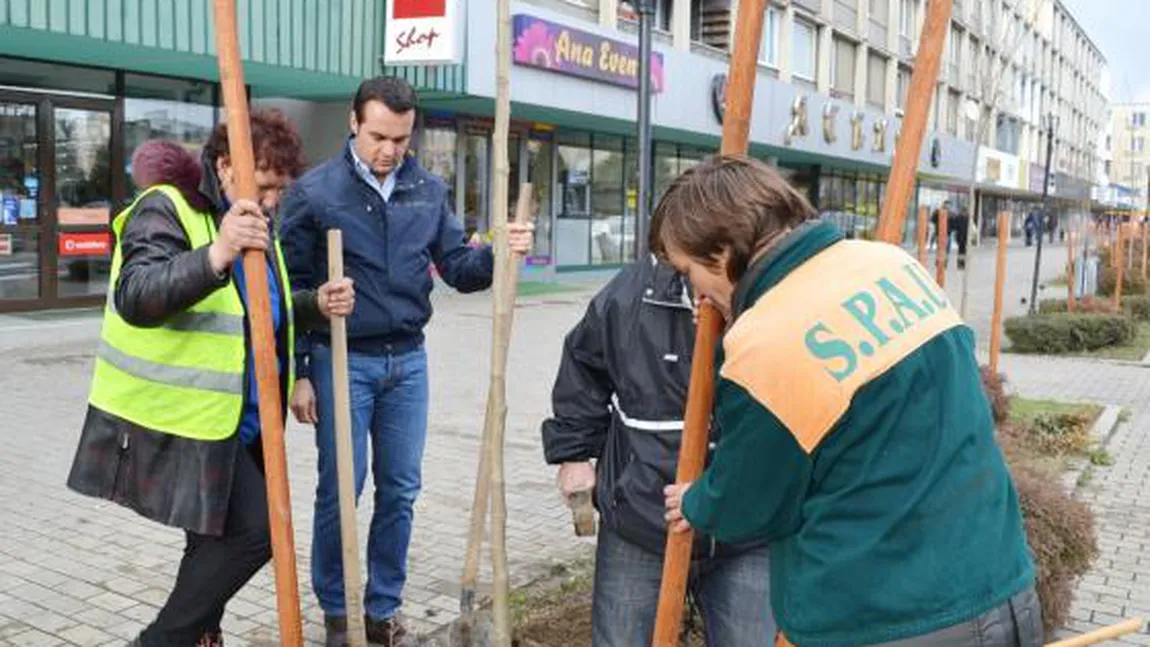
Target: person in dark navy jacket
(397,221)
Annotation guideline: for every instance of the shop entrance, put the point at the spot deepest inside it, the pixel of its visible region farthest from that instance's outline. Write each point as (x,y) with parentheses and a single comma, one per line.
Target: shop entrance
(56,199)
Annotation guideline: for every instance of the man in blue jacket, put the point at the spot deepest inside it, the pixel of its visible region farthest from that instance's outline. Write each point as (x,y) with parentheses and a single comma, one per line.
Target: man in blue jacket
(396,221)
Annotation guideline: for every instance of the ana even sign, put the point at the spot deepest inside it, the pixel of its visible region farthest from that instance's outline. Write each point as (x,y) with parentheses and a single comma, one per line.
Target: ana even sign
(550,46)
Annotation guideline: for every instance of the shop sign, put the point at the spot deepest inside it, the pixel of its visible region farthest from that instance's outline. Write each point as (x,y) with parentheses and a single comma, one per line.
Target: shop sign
(879,136)
(857,136)
(997,168)
(424,32)
(830,114)
(83,216)
(5,244)
(538,261)
(798,126)
(9,209)
(550,46)
(86,244)
(719,86)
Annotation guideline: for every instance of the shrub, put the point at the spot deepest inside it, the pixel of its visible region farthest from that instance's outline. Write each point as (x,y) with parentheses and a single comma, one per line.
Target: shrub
(1132,282)
(1084,305)
(1137,306)
(1059,434)
(1060,532)
(1064,333)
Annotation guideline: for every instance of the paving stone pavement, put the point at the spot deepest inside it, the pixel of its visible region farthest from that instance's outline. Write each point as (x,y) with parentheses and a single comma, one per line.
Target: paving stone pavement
(77,571)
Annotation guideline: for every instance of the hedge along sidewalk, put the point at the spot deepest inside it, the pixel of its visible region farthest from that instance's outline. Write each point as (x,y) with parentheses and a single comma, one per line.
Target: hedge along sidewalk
(1137,307)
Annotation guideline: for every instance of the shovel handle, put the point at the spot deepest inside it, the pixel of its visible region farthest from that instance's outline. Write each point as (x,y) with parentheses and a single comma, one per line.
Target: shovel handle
(582,513)
(1105,633)
(345,456)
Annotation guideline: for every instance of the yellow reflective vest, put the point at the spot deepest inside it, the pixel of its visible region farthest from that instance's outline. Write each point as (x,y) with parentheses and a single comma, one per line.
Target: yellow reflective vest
(187,376)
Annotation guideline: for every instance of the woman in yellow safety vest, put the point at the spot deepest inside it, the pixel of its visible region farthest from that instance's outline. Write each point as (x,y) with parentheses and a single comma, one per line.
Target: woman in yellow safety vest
(172,429)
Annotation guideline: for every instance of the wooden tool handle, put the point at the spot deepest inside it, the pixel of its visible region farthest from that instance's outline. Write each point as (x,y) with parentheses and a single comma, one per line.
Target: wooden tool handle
(1105,633)
(943,248)
(345,455)
(582,513)
(999,280)
(262,332)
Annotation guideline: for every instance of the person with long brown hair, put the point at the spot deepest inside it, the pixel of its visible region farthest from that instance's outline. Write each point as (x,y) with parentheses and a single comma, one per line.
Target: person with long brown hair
(172,429)
(857,438)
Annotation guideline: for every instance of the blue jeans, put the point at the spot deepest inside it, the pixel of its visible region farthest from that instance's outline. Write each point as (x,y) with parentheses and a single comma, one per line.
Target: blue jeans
(389,405)
(732,592)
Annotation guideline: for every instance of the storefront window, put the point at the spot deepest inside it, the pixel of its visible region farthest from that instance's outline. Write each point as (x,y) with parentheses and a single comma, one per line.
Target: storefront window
(19,191)
(475,187)
(573,222)
(437,154)
(666,167)
(56,79)
(171,109)
(83,200)
(539,156)
(607,201)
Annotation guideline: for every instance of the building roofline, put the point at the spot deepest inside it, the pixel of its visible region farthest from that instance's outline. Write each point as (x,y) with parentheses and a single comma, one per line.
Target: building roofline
(1082,31)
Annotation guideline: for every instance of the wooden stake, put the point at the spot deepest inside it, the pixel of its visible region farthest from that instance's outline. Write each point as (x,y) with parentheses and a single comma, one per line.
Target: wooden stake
(345,455)
(701,391)
(999,281)
(923,234)
(1105,633)
(502,304)
(1070,271)
(941,256)
(262,333)
(1119,267)
(922,85)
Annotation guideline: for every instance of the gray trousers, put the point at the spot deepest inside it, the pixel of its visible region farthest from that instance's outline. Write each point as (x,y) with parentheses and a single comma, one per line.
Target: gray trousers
(1018,623)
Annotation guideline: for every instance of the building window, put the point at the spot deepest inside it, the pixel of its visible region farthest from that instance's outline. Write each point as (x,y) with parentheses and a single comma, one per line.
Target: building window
(905,18)
(805,50)
(903,85)
(162,108)
(952,109)
(1138,144)
(1139,119)
(843,68)
(769,49)
(876,81)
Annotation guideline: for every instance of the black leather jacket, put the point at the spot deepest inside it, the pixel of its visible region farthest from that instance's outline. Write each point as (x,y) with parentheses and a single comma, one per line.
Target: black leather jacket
(619,399)
(176,481)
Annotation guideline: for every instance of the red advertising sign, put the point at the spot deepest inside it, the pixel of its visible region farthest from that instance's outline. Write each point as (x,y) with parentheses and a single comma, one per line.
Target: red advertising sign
(99,244)
(404,9)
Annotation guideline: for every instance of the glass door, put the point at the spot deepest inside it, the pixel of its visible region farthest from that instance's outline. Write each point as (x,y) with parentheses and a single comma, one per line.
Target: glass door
(81,199)
(21,221)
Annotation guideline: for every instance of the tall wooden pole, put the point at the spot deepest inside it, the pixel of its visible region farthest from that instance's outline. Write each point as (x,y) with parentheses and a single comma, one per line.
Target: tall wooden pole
(999,280)
(923,233)
(262,333)
(701,391)
(922,85)
(345,456)
(1143,227)
(943,252)
(502,305)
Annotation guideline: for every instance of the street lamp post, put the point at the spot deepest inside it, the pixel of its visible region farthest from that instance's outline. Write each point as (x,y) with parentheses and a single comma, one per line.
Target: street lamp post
(646,9)
(1051,126)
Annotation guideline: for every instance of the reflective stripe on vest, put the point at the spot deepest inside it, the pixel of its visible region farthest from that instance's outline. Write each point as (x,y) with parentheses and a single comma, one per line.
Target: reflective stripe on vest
(187,376)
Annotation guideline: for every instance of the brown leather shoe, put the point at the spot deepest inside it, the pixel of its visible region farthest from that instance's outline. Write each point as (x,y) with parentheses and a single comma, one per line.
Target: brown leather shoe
(388,633)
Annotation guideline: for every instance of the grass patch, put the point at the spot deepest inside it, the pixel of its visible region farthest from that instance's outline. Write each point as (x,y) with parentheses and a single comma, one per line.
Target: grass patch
(539,288)
(1059,282)
(1132,351)
(1024,410)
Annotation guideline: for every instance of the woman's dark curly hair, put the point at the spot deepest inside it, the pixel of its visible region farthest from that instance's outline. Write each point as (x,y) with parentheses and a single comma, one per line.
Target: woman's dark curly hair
(276,144)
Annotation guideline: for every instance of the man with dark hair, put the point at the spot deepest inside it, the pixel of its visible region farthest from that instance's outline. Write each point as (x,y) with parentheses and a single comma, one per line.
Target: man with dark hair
(857,437)
(396,222)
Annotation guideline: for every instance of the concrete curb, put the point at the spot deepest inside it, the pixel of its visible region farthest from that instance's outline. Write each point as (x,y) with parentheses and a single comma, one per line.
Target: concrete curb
(1101,432)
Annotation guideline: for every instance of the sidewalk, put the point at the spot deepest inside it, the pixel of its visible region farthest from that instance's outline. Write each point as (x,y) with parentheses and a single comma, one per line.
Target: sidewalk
(76,571)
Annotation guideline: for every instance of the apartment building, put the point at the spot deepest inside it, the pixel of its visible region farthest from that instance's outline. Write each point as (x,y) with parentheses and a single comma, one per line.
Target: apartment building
(85,81)
(1130,167)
